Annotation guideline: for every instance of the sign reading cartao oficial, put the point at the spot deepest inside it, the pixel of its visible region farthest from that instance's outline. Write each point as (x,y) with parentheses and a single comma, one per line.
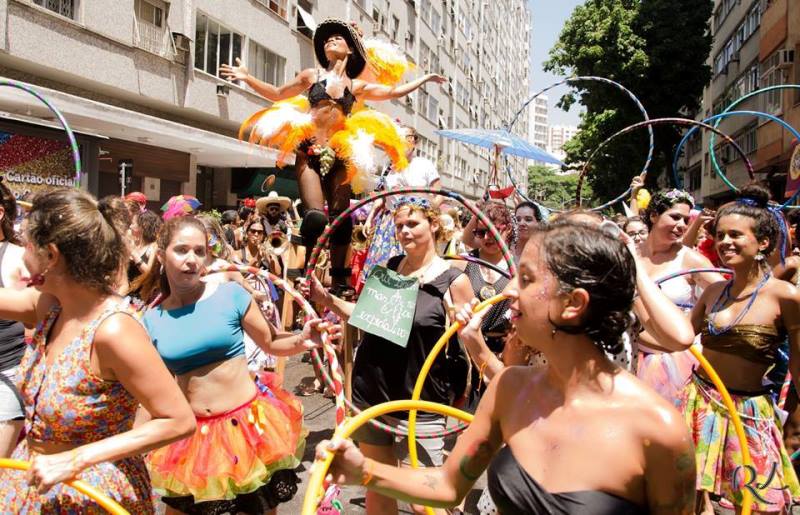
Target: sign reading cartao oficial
(386,305)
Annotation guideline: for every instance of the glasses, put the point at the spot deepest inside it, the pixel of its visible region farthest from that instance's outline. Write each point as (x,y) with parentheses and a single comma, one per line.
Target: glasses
(643,233)
(255,231)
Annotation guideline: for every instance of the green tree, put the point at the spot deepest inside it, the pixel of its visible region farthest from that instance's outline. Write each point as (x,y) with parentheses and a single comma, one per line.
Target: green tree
(552,189)
(655,48)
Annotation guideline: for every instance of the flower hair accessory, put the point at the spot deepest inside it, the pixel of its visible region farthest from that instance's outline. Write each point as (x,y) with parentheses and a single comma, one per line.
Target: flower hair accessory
(676,195)
(420,202)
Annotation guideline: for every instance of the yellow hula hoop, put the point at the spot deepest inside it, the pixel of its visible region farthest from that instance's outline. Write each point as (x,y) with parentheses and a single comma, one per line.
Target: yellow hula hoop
(109,504)
(320,467)
(747,494)
(423,373)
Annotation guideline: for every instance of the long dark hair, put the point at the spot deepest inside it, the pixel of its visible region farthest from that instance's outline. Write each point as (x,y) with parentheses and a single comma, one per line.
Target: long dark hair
(9,204)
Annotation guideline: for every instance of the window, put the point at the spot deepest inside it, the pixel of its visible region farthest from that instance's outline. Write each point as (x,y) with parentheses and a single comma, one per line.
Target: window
(773,99)
(694,178)
(395,28)
(747,140)
(215,44)
(151,29)
(62,7)
(276,6)
(304,8)
(265,65)
(436,21)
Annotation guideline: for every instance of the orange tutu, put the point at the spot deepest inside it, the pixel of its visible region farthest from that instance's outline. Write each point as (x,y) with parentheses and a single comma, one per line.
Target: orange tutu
(233,453)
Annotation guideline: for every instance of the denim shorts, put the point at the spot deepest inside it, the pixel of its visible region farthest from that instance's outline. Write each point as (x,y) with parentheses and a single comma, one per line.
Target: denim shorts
(11,404)
(429,450)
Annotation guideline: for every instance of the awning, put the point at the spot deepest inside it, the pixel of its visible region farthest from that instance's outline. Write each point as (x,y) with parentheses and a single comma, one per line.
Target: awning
(90,117)
(308,20)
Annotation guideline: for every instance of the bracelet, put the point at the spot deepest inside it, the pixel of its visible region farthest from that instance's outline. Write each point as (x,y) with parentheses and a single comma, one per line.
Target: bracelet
(366,475)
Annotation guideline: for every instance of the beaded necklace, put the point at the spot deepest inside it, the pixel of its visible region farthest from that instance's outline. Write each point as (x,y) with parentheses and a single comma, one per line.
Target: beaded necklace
(724,297)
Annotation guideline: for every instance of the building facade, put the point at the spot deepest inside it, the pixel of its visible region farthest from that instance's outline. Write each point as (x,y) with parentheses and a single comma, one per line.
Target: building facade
(754,46)
(557,137)
(138,82)
(538,121)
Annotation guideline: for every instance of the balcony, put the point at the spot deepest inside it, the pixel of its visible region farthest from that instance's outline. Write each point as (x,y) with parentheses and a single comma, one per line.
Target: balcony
(154,39)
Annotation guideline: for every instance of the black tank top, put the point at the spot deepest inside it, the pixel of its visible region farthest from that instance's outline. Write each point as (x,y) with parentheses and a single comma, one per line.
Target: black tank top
(385,372)
(495,324)
(515,492)
(12,333)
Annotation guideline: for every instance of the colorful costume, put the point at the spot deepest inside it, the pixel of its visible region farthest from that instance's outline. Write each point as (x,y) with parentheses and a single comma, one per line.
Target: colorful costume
(67,403)
(717,450)
(241,460)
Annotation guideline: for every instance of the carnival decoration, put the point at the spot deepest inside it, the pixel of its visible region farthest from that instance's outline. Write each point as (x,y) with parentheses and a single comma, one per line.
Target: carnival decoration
(649,124)
(76,155)
(107,503)
(603,80)
(387,61)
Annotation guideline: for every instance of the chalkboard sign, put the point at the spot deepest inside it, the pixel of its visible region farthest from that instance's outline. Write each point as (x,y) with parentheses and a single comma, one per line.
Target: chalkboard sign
(386,305)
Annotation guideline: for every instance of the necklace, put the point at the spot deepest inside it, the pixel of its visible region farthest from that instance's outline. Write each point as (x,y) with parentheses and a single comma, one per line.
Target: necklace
(724,297)
(417,274)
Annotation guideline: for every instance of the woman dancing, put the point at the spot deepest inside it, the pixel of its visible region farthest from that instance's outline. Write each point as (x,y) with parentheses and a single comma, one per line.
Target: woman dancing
(534,428)
(324,130)
(88,369)
(248,439)
(743,322)
(385,371)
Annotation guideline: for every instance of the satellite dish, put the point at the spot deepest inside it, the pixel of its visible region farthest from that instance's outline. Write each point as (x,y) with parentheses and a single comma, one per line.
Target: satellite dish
(267,184)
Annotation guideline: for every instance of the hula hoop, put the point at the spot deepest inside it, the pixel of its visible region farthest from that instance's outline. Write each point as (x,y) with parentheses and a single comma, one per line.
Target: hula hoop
(319,469)
(76,155)
(423,373)
(716,119)
(712,140)
(337,382)
(692,271)
(106,502)
(477,261)
(650,123)
(620,87)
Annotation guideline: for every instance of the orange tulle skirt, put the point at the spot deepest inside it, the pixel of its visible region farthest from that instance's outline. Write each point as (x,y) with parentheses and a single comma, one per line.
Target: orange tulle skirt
(233,453)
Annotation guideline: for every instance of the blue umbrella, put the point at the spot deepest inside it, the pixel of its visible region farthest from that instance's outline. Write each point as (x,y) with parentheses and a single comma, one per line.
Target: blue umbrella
(501,141)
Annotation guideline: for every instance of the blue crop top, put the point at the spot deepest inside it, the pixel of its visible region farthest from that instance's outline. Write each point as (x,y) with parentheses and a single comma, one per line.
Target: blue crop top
(207,331)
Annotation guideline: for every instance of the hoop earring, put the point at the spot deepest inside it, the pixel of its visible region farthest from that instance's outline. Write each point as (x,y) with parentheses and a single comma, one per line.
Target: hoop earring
(760,257)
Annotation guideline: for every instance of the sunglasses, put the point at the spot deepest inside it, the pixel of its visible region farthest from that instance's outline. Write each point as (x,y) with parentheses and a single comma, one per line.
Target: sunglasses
(255,231)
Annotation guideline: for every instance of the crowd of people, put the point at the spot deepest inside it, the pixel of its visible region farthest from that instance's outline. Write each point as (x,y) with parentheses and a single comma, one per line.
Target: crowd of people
(137,349)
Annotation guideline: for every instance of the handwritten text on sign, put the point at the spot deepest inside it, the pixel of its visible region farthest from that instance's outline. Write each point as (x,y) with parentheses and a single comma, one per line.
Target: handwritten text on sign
(386,305)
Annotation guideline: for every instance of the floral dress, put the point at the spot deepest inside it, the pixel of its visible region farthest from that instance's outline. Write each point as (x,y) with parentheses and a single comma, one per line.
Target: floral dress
(67,403)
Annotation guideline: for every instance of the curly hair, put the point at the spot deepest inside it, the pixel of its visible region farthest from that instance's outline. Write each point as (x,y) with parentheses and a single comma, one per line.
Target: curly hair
(9,204)
(89,234)
(150,223)
(663,201)
(753,203)
(501,216)
(583,256)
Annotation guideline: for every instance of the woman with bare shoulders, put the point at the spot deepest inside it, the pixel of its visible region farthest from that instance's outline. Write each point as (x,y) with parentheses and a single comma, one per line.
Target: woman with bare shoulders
(580,436)
(88,369)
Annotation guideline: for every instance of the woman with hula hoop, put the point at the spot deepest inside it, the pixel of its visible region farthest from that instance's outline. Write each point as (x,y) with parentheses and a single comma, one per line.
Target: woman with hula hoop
(88,369)
(248,439)
(664,367)
(325,141)
(385,371)
(534,428)
(743,323)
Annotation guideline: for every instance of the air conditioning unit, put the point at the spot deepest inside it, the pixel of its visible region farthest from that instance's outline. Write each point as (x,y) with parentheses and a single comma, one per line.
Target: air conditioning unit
(785,58)
(182,42)
(409,101)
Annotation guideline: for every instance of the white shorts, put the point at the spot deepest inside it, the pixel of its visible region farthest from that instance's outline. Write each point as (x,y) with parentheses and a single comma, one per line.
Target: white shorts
(11,404)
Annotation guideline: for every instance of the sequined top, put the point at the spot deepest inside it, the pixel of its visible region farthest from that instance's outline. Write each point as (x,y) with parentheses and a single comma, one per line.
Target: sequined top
(758,343)
(67,402)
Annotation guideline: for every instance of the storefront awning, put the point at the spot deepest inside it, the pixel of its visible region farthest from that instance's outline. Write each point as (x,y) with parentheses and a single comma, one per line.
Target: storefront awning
(90,117)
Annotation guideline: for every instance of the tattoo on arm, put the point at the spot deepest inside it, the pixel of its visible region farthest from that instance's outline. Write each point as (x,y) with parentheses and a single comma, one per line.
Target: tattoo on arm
(683,501)
(476,460)
(431,481)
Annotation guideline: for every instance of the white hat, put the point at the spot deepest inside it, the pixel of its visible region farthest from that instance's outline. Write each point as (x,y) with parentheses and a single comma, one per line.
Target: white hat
(273,198)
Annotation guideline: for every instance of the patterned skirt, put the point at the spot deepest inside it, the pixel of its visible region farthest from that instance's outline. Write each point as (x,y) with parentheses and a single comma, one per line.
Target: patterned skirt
(772,480)
(238,461)
(666,372)
(126,481)
(383,245)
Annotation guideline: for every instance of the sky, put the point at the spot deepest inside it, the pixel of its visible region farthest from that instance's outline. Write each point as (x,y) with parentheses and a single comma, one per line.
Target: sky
(548,18)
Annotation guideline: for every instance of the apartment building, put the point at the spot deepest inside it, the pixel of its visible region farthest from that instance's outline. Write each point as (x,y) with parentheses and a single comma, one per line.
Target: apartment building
(138,81)
(538,122)
(755,42)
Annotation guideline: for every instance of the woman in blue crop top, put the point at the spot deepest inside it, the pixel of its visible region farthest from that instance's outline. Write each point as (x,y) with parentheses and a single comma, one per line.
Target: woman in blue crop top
(331,91)
(248,439)
(578,437)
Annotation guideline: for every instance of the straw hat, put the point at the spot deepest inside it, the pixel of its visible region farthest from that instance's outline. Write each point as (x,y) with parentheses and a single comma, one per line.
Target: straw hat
(273,198)
(356,61)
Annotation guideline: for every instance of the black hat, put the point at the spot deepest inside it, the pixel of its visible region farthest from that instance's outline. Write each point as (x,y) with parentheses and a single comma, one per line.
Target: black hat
(356,61)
